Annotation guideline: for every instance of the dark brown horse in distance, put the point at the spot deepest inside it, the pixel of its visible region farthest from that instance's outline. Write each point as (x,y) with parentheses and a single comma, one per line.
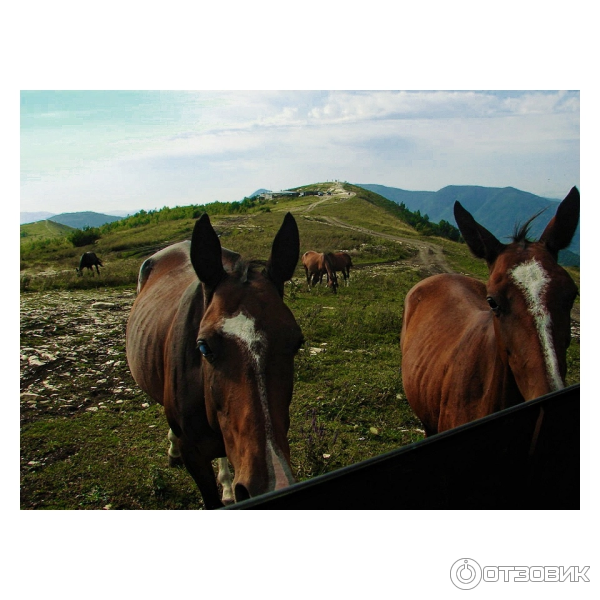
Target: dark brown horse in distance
(342,262)
(88,260)
(210,339)
(470,349)
(318,264)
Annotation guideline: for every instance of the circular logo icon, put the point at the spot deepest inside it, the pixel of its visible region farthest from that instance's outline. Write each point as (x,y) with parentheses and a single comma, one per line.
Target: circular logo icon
(465,574)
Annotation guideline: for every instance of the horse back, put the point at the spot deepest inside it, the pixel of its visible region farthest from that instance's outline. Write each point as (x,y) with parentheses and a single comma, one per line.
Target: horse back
(163,282)
(88,260)
(436,295)
(447,344)
(310,259)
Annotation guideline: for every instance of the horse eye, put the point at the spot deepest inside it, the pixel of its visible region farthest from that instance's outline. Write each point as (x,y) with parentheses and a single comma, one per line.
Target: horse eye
(493,304)
(205,350)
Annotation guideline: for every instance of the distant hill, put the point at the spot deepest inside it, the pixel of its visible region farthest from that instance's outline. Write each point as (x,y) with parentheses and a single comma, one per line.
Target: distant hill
(568,259)
(259,192)
(497,209)
(32,217)
(79,220)
(43,230)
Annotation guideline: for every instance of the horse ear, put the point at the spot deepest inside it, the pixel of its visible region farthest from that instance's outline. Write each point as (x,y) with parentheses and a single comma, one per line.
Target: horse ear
(205,253)
(481,242)
(284,253)
(561,229)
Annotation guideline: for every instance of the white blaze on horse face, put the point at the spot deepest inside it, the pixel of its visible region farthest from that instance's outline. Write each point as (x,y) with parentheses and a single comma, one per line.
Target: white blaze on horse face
(532,280)
(226,481)
(243,328)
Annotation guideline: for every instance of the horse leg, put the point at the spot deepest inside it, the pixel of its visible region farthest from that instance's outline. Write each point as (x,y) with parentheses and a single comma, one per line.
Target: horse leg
(97,270)
(308,276)
(201,470)
(226,481)
(332,281)
(175,459)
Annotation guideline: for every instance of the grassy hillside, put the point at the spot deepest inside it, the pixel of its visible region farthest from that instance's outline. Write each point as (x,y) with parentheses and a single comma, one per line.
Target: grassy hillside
(50,264)
(91,439)
(42,230)
(323,221)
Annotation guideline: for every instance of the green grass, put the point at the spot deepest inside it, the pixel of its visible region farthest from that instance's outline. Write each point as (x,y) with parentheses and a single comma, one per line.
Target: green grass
(115,459)
(348,403)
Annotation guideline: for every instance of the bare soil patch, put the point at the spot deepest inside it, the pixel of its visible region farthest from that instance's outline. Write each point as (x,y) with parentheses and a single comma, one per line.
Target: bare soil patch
(73,352)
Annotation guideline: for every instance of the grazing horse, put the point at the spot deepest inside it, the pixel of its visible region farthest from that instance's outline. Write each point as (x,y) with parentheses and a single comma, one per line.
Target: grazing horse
(470,349)
(342,262)
(210,338)
(88,260)
(317,264)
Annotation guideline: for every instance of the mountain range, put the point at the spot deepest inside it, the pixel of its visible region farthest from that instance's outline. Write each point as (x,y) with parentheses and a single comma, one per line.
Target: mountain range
(32,217)
(498,209)
(79,220)
(67,218)
(259,192)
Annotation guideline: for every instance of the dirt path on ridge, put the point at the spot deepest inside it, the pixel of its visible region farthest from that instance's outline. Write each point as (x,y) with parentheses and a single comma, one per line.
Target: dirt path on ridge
(429,258)
(337,191)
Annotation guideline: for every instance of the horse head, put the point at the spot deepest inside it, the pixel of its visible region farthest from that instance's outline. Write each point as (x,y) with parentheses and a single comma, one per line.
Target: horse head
(247,339)
(530,296)
(328,266)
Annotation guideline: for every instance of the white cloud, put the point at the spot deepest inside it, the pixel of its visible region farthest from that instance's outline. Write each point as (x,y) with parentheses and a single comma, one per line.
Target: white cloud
(197,143)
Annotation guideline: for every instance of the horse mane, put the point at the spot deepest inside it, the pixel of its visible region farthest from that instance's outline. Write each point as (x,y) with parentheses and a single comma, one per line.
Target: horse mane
(329,258)
(521,232)
(243,268)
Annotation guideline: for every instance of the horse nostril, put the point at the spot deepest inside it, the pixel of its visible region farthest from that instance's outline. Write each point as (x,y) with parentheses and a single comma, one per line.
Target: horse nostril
(241,493)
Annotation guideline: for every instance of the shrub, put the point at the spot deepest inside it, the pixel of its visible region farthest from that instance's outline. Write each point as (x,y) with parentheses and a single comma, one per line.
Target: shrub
(83,237)
(25,282)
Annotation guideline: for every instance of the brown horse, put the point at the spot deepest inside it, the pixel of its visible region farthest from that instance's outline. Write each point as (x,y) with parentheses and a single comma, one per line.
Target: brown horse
(210,339)
(318,264)
(471,349)
(342,261)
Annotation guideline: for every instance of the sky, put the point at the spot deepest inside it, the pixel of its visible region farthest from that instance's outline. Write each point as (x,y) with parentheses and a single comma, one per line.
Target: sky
(112,151)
